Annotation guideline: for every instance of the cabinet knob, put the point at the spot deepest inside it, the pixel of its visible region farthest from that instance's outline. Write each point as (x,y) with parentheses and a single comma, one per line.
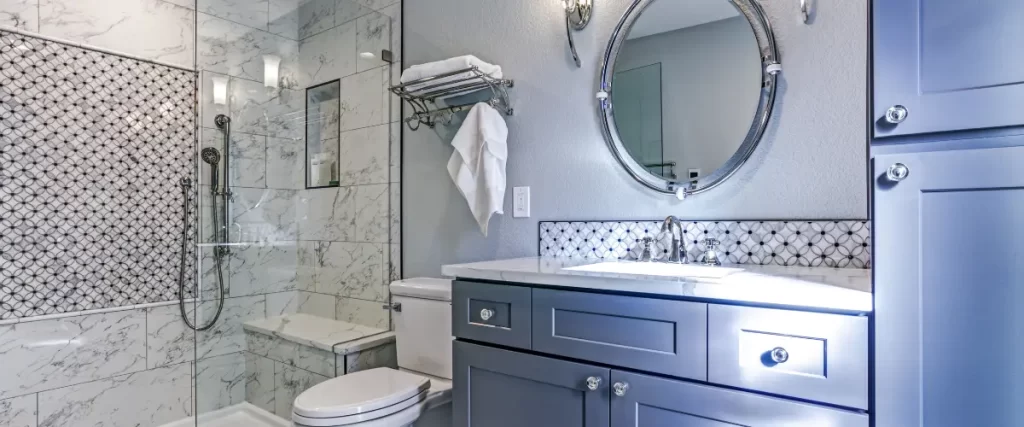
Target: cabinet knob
(620,388)
(593,383)
(896,114)
(779,355)
(897,172)
(486,314)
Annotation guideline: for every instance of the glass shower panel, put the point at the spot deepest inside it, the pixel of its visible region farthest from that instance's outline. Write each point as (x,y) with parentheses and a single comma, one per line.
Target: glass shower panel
(284,248)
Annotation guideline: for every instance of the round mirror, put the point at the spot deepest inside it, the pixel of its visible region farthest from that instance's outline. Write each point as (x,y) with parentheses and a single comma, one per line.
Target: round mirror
(686,90)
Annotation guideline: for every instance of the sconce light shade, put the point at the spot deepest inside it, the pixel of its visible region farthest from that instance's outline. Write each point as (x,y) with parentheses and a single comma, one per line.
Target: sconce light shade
(579,12)
(271,68)
(220,90)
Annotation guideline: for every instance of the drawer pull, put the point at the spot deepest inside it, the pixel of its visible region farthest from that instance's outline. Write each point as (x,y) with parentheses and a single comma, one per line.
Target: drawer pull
(620,388)
(593,383)
(780,355)
(486,314)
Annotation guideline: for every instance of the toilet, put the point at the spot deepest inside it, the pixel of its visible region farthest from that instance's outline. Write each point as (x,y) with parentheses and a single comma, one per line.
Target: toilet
(418,393)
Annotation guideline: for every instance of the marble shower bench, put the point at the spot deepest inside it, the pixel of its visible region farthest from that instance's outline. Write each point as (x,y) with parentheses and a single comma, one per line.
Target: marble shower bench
(286,355)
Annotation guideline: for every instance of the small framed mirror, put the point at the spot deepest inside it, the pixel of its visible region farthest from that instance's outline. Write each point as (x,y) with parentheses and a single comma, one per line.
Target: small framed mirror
(323,129)
(687,88)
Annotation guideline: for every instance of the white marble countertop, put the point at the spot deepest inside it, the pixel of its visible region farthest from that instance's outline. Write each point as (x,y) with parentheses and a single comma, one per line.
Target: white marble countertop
(326,334)
(819,288)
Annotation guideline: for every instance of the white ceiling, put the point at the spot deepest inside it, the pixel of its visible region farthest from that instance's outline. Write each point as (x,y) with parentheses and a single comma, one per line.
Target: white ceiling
(663,16)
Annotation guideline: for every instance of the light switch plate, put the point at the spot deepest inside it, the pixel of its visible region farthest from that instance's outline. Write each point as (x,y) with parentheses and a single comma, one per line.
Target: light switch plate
(521,202)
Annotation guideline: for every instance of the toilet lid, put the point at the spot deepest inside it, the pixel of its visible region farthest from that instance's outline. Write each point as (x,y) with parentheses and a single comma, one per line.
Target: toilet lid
(359,392)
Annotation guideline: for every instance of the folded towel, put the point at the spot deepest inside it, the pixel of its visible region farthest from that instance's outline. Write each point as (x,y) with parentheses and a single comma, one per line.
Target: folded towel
(417,72)
(478,164)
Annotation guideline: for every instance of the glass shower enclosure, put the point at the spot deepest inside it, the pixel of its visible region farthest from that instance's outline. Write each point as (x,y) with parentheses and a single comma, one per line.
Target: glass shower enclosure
(296,218)
(168,188)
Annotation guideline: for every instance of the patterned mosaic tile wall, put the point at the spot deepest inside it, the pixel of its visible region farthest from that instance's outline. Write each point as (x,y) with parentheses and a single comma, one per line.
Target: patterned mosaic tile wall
(842,244)
(92,149)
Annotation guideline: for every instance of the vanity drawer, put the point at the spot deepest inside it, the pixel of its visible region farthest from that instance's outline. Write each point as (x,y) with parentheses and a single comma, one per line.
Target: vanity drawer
(496,314)
(813,356)
(669,337)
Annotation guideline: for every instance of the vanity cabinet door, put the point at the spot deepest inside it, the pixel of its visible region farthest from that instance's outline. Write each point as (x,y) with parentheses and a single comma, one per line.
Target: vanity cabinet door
(954,65)
(949,282)
(669,337)
(646,401)
(501,388)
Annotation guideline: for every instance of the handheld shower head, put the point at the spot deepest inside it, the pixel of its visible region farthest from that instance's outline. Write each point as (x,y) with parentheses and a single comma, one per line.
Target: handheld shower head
(211,156)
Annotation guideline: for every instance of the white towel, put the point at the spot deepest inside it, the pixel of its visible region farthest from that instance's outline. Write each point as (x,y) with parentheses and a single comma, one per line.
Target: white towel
(478,164)
(417,72)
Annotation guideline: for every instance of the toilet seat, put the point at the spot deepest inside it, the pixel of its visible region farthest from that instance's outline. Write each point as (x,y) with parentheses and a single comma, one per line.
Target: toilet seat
(360,397)
(413,404)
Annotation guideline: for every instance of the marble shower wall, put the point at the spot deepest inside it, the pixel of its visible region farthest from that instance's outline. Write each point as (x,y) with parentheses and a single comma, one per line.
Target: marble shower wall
(157,30)
(98,368)
(95,369)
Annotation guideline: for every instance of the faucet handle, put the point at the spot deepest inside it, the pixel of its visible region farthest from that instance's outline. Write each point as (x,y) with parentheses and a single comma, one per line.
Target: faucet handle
(646,249)
(710,255)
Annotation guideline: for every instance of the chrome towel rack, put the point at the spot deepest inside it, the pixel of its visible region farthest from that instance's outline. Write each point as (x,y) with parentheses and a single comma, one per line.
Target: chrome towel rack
(423,95)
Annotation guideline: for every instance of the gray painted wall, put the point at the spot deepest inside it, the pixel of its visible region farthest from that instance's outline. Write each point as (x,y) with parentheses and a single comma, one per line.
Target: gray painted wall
(711,86)
(811,163)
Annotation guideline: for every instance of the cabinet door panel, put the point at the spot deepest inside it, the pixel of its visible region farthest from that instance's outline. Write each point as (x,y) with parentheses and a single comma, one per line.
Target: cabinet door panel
(949,281)
(501,388)
(955,65)
(663,336)
(658,402)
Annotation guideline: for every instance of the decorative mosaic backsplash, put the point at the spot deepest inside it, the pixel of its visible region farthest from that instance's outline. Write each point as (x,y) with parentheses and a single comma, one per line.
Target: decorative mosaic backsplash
(92,149)
(843,244)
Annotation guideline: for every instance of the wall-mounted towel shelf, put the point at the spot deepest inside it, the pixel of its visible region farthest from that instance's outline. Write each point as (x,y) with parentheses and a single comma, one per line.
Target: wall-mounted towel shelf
(423,94)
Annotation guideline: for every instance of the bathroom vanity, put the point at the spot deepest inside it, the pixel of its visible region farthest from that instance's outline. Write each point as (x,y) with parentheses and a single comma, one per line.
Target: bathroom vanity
(590,342)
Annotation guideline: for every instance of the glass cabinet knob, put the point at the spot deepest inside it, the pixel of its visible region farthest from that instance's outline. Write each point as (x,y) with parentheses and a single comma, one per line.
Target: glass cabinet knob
(897,172)
(620,388)
(486,314)
(896,114)
(779,355)
(593,383)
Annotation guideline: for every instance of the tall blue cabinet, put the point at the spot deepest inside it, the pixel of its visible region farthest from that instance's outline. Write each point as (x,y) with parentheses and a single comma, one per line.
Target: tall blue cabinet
(947,65)
(948,212)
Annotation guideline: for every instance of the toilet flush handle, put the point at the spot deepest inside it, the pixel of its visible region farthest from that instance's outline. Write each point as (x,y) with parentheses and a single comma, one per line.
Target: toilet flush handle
(395,306)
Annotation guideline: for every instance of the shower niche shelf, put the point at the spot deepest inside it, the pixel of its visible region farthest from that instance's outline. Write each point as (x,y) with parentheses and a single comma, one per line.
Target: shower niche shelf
(323,134)
(425,94)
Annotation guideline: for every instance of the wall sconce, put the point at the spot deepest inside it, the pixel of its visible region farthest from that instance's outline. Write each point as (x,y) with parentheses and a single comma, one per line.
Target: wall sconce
(220,90)
(271,67)
(577,16)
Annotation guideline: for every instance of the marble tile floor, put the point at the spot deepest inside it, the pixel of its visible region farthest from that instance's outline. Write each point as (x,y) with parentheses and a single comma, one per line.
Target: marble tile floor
(243,414)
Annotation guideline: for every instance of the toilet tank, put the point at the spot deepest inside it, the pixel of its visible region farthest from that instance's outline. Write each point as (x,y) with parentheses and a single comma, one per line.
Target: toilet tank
(423,327)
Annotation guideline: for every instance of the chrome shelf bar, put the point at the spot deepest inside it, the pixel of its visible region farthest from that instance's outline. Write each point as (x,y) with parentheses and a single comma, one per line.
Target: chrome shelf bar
(423,95)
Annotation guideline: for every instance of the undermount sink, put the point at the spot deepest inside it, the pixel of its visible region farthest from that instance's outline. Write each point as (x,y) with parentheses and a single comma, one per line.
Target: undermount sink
(658,269)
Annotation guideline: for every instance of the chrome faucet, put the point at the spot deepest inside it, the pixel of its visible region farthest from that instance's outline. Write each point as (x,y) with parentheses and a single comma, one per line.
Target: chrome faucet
(710,256)
(678,252)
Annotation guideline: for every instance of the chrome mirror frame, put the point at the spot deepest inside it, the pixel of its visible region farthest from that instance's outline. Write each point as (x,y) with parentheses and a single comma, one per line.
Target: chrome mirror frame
(770,67)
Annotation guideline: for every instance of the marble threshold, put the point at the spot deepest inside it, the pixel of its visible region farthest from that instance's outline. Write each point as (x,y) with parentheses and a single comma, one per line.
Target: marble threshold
(243,414)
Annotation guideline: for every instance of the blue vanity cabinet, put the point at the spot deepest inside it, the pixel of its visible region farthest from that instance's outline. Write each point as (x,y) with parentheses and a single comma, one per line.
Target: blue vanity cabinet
(954,65)
(949,285)
(647,401)
(500,388)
